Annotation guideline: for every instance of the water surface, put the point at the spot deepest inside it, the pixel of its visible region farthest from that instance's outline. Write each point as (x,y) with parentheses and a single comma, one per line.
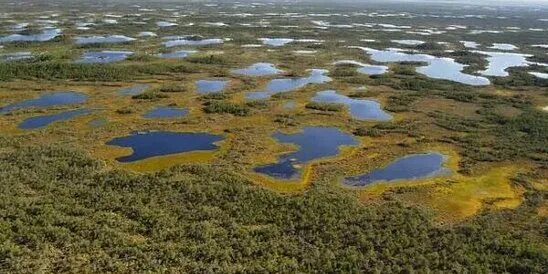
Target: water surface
(111,39)
(501,46)
(103,57)
(192,42)
(48,100)
(258,69)
(411,167)
(364,68)
(313,143)
(317,76)
(45,120)
(46,35)
(539,74)
(177,54)
(161,143)
(16,56)
(437,67)
(210,86)
(360,109)
(276,42)
(499,62)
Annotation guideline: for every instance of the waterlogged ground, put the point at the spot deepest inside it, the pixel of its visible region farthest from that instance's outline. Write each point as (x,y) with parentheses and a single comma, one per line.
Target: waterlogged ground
(368,98)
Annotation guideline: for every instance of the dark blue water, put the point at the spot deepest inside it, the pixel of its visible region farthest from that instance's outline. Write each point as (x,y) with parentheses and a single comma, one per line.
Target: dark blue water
(411,167)
(258,69)
(102,57)
(317,76)
(210,86)
(42,121)
(166,112)
(314,143)
(133,90)
(177,54)
(160,143)
(48,100)
(360,109)
(46,35)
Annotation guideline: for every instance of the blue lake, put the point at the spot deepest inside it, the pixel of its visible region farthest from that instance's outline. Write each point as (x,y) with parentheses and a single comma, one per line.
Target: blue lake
(210,86)
(411,167)
(166,112)
(360,109)
(46,35)
(48,100)
(45,120)
(258,69)
(317,76)
(313,142)
(436,68)
(499,62)
(133,90)
(161,143)
(101,57)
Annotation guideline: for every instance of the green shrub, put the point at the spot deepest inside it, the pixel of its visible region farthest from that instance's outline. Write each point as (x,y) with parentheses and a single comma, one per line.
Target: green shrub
(226,107)
(325,106)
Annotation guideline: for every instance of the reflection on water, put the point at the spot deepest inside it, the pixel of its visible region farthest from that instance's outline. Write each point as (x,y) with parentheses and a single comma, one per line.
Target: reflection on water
(317,76)
(411,167)
(360,109)
(313,143)
(437,67)
(161,143)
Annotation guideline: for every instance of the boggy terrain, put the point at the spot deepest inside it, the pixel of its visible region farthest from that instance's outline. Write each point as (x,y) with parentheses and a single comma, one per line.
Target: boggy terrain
(270,137)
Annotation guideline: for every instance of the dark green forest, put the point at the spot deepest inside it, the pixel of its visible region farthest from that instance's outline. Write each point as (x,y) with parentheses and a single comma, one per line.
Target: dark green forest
(62,211)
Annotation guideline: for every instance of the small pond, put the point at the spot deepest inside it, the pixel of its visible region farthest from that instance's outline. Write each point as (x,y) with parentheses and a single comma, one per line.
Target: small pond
(313,143)
(192,42)
(16,56)
(161,143)
(317,76)
(177,54)
(364,68)
(45,120)
(103,57)
(258,69)
(46,35)
(111,39)
(360,109)
(411,167)
(48,100)
(210,86)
